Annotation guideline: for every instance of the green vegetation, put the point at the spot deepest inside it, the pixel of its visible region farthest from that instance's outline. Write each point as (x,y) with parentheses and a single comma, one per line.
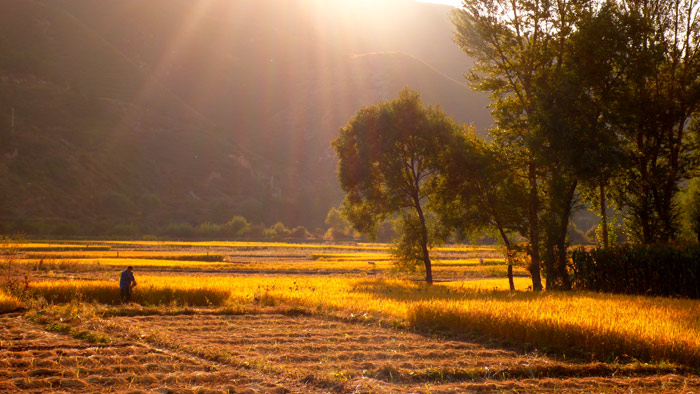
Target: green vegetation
(388,158)
(592,102)
(659,270)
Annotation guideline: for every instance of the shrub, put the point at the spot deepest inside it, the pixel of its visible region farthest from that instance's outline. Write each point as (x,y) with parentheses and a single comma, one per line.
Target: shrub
(179,230)
(208,230)
(236,226)
(256,231)
(661,270)
(277,232)
(300,233)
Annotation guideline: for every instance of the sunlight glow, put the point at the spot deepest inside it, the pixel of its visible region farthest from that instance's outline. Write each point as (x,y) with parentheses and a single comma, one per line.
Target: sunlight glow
(454,3)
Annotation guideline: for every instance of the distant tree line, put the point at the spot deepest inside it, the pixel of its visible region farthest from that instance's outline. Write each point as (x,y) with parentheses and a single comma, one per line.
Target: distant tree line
(595,103)
(337,229)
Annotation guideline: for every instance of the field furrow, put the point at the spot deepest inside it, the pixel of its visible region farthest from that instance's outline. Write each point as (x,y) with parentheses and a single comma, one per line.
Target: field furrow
(33,360)
(353,357)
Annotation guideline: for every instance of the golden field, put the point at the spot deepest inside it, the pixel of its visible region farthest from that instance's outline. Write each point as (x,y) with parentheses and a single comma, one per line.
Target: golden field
(245,244)
(307,258)
(653,329)
(355,326)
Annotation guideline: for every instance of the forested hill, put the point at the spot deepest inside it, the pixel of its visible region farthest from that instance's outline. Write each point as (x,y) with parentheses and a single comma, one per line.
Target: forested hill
(148,112)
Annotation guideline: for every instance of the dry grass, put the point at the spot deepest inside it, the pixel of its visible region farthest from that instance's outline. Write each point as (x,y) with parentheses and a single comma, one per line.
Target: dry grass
(236,329)
(33,360)
(52,247)
(605,325)
(125,254)
(357,264)
(289,245)
(151,291)
(273,353)
(349,356)
(450,263)
(115,262)
(9,303)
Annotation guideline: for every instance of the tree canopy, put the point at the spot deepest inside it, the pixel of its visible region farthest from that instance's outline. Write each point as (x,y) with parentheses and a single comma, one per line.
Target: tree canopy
(388,155)
(590,99)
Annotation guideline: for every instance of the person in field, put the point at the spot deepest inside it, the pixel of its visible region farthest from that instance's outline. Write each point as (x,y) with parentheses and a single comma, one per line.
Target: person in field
(126,283)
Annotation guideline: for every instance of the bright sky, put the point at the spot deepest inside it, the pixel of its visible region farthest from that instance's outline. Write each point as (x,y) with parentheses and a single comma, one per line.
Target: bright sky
(454,3)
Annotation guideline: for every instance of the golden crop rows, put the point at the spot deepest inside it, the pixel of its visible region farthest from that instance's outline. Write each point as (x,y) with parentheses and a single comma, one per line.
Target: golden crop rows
(649,328)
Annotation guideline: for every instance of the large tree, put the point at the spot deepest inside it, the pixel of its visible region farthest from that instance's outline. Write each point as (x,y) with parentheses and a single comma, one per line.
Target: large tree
(522,51)
(387,157)
(654,105)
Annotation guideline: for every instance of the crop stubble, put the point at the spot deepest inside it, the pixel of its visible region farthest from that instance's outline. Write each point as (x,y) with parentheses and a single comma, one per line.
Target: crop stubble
(355,358)
(33,360)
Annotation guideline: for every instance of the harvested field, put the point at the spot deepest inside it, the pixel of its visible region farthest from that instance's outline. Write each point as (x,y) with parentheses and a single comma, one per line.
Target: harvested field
(361,358)
(272,353)
(36,361)
(278,318)
(454,262)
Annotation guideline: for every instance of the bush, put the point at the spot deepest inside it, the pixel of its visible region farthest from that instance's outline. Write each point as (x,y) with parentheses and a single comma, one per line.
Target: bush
(300,233)
(256,232)
(208,230)
(236,227)
(661,270)
(277,232)
(179,230)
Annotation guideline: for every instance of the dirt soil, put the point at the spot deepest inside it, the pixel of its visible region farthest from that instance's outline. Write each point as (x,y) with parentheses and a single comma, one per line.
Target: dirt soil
(272,353)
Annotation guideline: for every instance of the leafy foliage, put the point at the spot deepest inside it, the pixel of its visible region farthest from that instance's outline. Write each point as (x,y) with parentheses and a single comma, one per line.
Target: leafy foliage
(690,207)
(660,270)
(523,52)
(387,162)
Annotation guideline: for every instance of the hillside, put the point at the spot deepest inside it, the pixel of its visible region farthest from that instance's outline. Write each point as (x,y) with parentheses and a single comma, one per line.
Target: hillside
(148,112)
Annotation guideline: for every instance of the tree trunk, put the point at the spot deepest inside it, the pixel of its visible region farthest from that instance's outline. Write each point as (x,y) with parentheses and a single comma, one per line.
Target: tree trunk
(533,207)
(424,244)
(510,274)
(604,216)
(561,242)
(509,259)
(644,219)
(549,261)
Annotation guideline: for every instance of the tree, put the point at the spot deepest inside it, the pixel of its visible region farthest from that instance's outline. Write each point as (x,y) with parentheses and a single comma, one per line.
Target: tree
(339,229)
(690,208)
(660,95)
(477,191)
(599,45)
(236,227)
(522,49)
(277,232)
(387,159)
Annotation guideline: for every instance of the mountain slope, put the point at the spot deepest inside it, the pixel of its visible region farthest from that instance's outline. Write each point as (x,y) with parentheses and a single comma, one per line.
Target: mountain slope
(154,111)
